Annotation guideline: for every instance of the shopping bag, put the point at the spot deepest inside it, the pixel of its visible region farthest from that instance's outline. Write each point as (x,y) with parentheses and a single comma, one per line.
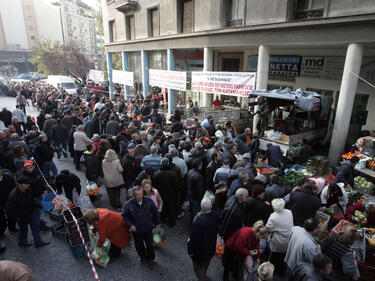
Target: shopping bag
(100,255)
(76,198)
(220,246)
(158,236)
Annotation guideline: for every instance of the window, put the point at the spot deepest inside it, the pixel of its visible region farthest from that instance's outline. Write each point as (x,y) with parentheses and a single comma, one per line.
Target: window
(28,7)
(185,16)
(111,25)
(305,9)
(235,9)
(31,27)
(153,22)
(32,37)
(29,17)
(130,31)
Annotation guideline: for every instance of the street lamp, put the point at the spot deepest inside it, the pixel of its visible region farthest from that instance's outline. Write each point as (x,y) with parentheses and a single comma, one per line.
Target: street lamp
(61,21)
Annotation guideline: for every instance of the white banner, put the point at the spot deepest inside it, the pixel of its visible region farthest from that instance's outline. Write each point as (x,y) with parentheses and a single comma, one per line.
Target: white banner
(123,77)
(96,75)
(167,79)
(239,84)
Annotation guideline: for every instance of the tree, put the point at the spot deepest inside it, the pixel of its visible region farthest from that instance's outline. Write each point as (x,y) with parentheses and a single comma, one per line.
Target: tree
(55,58)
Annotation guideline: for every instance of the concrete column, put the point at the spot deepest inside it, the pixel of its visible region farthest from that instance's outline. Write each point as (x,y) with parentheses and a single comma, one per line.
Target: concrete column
(144,58)
(109,69)
(207,66)
(345,103)
(262,76)
(125,67)
(171,92)
(216,65)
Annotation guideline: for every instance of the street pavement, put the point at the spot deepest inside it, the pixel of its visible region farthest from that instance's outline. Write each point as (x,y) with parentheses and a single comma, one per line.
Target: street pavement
(56,261)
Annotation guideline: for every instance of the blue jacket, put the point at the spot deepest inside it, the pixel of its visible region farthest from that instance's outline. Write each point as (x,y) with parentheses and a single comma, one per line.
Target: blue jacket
(274,155)
(140,215)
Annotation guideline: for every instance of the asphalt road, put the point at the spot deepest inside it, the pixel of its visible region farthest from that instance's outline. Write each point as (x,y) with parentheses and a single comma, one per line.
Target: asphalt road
(56,261)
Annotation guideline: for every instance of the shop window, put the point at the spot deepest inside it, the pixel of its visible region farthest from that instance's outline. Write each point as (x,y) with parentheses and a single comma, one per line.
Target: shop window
(31,27)
(28,7)
(29,17)
(130,27)
(153,22)
(32,37)
(111,26)
(235,11)
(185,16)
(306,9)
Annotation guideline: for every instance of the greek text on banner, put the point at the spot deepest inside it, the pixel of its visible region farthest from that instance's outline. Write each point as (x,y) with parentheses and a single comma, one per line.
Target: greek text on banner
(123,77)
(175,80)
(239,84)
(96,75)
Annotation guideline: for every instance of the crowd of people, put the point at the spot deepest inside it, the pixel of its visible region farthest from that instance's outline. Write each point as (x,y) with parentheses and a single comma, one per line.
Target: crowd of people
(171,166)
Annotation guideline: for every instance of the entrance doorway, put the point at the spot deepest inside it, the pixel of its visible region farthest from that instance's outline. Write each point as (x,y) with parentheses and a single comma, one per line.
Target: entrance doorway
(230,62)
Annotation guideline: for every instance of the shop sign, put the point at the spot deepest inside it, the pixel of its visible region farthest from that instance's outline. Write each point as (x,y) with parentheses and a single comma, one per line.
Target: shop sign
(239,84)
(123,77)
(279,65)
(96,75)
(167,79)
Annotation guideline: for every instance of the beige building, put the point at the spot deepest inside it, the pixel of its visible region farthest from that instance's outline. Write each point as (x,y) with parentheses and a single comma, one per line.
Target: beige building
(321,45)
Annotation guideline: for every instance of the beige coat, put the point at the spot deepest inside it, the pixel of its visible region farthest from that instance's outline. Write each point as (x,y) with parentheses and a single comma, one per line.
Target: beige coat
(112,172)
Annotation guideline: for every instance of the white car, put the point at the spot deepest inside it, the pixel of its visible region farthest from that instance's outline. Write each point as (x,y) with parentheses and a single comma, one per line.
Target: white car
(64,82)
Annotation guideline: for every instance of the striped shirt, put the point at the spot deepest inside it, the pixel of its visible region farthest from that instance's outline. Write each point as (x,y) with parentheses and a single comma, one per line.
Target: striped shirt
(152,160)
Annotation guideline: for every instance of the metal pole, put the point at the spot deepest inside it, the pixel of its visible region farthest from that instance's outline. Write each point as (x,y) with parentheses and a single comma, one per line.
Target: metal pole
(62,28)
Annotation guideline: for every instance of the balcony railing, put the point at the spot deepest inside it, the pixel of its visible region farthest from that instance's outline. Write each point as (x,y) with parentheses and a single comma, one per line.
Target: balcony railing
(125,6)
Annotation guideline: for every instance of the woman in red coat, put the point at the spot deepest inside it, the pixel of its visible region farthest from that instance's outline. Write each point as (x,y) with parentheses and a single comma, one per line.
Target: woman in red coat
(244,242)
(109,225)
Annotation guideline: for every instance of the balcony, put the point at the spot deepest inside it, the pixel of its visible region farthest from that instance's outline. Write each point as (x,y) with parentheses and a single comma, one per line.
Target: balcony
(125,6)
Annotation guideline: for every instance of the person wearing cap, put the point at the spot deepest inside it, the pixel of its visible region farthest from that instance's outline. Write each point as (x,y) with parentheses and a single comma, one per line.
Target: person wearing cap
(21,207)
(131,169)
(80,144)
(244,163)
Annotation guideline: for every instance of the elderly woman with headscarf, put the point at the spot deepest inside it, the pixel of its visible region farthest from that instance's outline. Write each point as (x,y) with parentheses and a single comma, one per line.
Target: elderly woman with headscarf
(113,180)
(109,225)
(280,226)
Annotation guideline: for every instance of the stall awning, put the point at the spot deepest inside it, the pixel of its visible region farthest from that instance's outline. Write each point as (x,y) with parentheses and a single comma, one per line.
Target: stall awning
(306,100)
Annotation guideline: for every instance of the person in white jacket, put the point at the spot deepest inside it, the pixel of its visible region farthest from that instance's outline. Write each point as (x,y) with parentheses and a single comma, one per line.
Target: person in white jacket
(279,225)
(334,193)
(80,145)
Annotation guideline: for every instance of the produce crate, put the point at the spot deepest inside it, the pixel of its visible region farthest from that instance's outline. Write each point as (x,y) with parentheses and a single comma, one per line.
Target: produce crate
(58,230)
(323,220)
(79,251)
(367,271)
(74,237)
(54,215)
(336,230)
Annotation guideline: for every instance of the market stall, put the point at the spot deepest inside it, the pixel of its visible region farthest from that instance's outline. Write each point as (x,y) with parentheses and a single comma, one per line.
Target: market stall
(294,116)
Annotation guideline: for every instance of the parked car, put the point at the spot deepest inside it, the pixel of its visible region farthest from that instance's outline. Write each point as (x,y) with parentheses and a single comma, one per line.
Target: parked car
(64,82)
(101,88)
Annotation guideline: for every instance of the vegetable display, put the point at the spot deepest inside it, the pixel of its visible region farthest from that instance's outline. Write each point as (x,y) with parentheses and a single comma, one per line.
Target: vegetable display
(293,179)
(361,181)
(359,219)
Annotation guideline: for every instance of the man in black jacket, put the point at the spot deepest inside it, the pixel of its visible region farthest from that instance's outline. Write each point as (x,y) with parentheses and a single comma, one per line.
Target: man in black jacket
(44,152)
(7,184)
(195,187)
(131,169)
(6,117)
(92,164)
(167,182)
(229,154)
(138,214)
(202,240)
(70,182)
(21,207)
(345,173)
(303,203)
(59,137)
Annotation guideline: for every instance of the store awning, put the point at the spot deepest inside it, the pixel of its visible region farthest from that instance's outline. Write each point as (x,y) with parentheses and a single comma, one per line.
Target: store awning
(306,100)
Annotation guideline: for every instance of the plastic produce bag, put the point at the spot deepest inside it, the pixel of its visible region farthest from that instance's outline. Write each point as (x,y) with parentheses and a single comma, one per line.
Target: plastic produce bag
(92,189)
(210,195)
(158,236)
(61,203)
(100,255)
(76,198)
(220,246)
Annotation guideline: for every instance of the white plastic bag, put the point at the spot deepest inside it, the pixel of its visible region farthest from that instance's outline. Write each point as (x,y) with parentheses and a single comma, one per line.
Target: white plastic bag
(76,198)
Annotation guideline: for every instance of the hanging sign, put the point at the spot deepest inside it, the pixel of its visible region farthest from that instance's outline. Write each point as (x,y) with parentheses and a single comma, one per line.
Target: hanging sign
(175,80)
(96,75)
(123,77)
(239,84)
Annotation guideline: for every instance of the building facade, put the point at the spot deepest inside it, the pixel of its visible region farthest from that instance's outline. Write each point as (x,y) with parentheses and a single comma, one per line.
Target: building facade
(309,44)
